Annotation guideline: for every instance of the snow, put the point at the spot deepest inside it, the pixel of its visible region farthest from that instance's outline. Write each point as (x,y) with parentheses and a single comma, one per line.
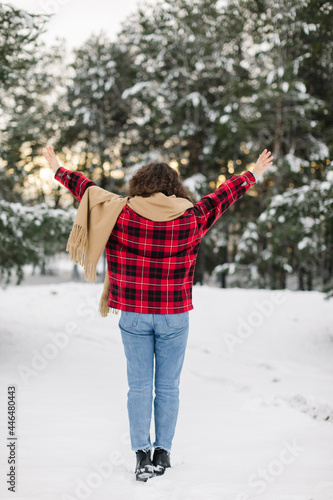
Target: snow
(227,266)
(308,222)
(329,176)
(153,38)
(212,115)
(255,397)
(16,20)
(196,98)
(141,120)
(266,254)
(138,87)
(285,87)
(270,77)
(28,19)
(224,119)
(319,149)
(108,84)
(295,163)
(86,116)
(247,241)
(306,242)
(326,185)
(300,87)
(308,27)
(199,65)
(280,71)
(194,183)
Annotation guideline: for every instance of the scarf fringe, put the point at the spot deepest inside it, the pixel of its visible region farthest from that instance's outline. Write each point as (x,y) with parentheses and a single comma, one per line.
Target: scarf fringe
(105,309)
(77,247)
(103,303)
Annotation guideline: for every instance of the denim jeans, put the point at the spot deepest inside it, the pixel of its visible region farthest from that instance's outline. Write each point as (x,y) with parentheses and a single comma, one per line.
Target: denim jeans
(147,338)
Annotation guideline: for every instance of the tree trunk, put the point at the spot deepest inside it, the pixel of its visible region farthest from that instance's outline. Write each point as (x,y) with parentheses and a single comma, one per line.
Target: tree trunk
(75,273)
(282,279)
(309,280)
(224,280)
(195,148)
(43,269)
(300,279)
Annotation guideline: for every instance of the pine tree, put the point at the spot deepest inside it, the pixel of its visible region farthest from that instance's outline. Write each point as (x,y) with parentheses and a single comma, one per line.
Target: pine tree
(28,77)
(298,229)
(285,110)
(29,235)
(19,32)
(189,75)
(93,113)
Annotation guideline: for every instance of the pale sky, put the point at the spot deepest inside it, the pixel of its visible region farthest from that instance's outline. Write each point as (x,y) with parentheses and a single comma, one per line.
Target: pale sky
(75,20)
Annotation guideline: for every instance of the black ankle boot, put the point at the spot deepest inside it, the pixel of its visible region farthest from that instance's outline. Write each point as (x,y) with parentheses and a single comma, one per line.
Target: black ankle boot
(161,460)
(144,466)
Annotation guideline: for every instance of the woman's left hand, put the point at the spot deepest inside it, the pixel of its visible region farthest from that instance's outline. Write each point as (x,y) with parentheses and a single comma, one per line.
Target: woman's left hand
(50,156)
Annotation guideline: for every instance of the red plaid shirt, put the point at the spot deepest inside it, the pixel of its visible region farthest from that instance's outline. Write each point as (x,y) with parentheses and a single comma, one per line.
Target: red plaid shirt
(151,264)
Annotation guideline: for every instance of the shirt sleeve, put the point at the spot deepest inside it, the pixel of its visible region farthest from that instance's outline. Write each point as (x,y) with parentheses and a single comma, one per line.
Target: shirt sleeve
(74,181)
(255,175)
(213,205)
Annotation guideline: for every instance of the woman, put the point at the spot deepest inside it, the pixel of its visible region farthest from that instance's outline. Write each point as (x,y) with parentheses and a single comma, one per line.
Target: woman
(151,267)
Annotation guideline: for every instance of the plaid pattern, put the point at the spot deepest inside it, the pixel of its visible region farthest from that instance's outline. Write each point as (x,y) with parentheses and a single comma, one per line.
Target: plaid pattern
(151,264)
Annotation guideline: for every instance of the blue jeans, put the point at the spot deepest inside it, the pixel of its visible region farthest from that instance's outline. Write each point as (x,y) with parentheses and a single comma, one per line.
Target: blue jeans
(146,337)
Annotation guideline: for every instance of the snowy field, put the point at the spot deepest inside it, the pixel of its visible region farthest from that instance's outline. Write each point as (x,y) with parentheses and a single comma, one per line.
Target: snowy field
(256,398)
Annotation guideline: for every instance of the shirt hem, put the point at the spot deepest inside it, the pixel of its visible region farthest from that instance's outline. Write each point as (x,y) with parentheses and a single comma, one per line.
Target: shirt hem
(145,310)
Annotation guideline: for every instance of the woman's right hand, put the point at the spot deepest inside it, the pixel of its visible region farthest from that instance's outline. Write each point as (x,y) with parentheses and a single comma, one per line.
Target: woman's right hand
(264,161)
(51,158)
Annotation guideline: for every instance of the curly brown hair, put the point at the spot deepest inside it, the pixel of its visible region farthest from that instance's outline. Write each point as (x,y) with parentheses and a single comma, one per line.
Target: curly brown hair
(157,177)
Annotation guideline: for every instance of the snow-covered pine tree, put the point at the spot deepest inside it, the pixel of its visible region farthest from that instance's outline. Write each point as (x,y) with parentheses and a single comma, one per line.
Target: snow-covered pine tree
(285,112)
(291,111)
(189,78)
(19,32)
(297,228)
(29,235)
(93,114)
(29,75)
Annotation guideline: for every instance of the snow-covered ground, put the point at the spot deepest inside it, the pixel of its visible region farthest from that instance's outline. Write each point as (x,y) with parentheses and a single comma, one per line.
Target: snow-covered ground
(256,398)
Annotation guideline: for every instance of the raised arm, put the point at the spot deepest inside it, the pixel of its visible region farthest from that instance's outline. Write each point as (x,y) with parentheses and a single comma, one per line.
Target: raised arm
(74,181)
(213,205)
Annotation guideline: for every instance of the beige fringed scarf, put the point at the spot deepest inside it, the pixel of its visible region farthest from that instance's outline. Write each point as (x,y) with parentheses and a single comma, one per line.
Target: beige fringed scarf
(96,216)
